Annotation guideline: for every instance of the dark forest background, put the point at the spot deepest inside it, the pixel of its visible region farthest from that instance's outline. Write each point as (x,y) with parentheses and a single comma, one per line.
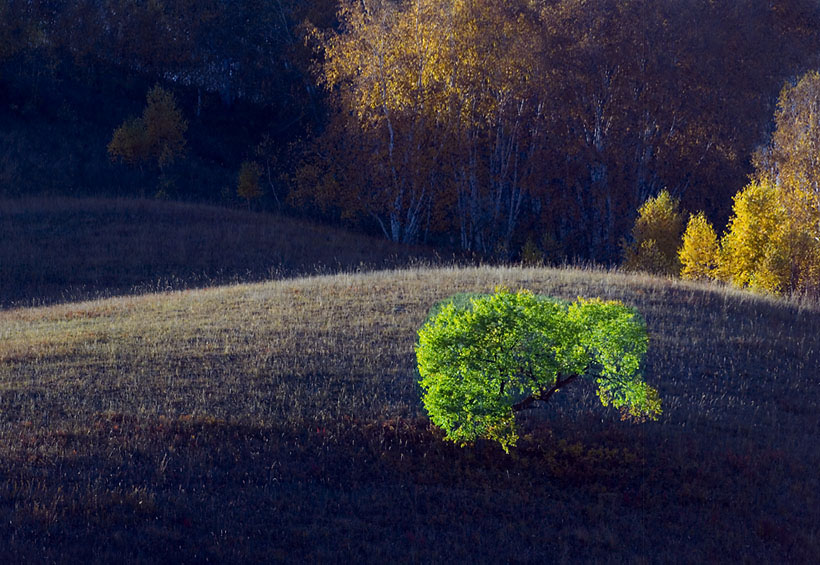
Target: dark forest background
(630,98)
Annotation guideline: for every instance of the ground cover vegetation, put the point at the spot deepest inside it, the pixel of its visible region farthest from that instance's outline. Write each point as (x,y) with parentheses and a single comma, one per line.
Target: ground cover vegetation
(283,421)
(60,249)
(479,125)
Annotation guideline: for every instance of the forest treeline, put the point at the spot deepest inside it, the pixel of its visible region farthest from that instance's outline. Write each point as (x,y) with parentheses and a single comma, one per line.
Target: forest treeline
(523,127)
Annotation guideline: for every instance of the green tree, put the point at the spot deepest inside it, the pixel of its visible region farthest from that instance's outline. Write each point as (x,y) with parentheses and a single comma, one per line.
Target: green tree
(656,237)
(481,359)
(699,252)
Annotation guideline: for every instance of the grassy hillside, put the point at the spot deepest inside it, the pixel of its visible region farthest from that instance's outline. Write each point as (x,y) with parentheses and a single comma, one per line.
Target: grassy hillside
(60,249)
(281,421)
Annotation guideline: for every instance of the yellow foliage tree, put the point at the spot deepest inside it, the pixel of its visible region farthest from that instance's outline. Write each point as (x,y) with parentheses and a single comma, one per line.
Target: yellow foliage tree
(158,136)
(773,240)
(751,252)
(129,143)
(439,106)
(165,127)
(699,253)
(656,237)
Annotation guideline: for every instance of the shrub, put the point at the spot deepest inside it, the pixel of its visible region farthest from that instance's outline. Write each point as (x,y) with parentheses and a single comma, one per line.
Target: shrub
(247,183)
(530,254)
(656,237)
(482,358)
(699,253)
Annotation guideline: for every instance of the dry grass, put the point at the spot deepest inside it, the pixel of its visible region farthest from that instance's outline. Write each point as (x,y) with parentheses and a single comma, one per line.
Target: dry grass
(281,422)
(63,249)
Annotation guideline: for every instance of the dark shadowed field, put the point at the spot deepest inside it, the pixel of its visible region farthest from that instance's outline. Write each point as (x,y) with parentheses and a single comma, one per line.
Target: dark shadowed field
(62,249)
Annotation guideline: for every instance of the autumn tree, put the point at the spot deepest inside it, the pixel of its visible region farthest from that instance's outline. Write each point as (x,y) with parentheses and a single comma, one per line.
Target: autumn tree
(129,144)
(656,237)
(767,247)
(473,123)
(624,75)
(155,138)
(699,252)
(793,154)
(388,180)
(480,119)
(752,250)
(793,160)
(164,127)
(773,240)
(441,108)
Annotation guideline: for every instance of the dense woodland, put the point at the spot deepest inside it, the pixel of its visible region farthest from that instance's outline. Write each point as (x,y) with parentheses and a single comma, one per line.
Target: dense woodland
(485,126)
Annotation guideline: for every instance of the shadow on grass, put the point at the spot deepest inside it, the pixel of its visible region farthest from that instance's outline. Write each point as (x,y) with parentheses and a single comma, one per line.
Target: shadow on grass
(64,250)
(196,489)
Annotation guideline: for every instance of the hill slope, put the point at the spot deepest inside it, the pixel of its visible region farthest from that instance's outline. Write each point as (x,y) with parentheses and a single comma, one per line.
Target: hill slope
(60,249)
(281,421)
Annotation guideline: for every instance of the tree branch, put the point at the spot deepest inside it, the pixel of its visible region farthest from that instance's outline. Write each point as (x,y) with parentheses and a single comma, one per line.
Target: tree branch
(544,394)
(524,404)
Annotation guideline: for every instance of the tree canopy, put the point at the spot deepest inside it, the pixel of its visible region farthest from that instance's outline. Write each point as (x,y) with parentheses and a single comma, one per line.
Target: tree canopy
(656,236)
(481,125)
(158,136)
(482,120)
(772,241)
(483,358)
(699,252)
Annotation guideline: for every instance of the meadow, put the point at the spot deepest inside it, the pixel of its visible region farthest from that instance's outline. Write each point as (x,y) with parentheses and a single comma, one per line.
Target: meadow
(58,249)
(281,421)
